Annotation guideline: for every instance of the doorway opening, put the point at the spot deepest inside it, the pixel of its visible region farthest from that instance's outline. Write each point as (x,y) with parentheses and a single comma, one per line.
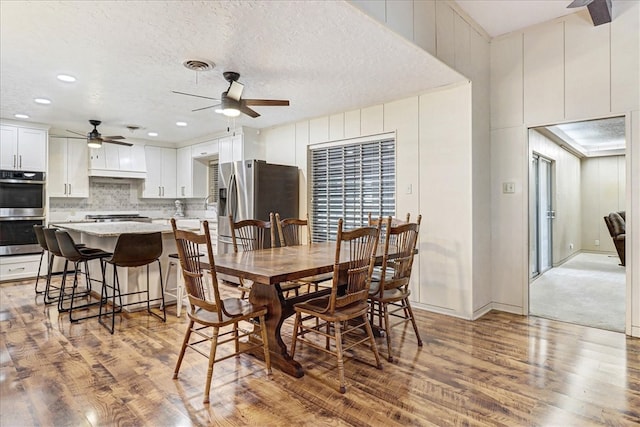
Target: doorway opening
(576,178)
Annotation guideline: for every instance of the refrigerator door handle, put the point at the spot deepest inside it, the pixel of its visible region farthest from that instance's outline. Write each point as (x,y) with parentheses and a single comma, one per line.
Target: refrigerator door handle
(233,197)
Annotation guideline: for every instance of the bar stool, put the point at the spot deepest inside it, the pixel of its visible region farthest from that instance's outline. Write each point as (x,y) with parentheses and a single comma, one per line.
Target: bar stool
(54,251)
(72,253)
(132,250)
(37,229)
(178,292)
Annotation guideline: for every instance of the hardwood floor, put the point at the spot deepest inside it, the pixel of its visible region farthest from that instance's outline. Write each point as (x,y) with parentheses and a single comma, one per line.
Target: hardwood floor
(502,369)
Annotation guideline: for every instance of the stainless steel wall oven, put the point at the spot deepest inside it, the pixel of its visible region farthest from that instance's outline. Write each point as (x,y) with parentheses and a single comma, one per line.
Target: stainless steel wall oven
(22,203)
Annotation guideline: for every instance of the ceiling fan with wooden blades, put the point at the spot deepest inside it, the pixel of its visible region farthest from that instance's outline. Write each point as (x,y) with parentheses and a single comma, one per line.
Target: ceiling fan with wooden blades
(95,138)
(231,103)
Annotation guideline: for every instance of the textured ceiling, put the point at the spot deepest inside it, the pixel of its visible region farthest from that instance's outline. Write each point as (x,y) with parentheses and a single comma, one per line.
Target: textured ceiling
(593,137)
(324,56)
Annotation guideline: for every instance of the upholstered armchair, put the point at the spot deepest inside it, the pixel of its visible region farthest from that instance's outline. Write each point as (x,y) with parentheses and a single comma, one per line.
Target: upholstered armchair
(616,224)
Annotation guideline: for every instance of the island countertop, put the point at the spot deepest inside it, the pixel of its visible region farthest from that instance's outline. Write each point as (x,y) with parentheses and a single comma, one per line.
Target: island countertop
(114,229)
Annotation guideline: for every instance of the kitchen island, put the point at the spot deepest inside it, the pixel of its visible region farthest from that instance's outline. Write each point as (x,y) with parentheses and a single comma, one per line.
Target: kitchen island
(104,235)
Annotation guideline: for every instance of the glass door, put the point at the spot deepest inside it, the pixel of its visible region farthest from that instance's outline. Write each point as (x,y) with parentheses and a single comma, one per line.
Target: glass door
(541,216)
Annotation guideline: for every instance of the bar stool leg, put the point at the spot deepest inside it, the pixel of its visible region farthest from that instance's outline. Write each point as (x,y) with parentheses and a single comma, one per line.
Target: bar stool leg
(39,268)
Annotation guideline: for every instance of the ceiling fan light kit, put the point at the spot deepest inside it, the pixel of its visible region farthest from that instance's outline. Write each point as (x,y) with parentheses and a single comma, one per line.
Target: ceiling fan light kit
(231,103)
(94,138)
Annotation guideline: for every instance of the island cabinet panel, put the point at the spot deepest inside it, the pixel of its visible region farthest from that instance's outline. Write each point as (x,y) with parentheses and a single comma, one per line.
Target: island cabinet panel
(68,168)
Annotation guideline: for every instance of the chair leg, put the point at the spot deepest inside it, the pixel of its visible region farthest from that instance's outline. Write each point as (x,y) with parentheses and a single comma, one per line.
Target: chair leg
(372,341)
(38,276)
(185,343)
(296,326)
(212,358)
(265,345)
(413,321)
(385,311)
(338,338)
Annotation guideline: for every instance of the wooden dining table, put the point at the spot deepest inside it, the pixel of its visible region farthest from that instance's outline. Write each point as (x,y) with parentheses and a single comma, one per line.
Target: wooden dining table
(268,268)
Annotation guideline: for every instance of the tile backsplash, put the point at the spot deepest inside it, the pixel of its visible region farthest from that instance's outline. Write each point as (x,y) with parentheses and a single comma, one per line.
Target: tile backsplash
(118,195)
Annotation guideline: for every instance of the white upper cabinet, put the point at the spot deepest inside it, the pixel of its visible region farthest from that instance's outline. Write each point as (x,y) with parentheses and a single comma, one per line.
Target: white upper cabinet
(68,168)
(118,161)
(23,148)
(204,149)
(234,148)
(161,173)
(191,174)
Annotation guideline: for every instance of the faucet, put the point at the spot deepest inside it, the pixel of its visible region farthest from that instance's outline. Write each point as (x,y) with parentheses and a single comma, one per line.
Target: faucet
(206,201)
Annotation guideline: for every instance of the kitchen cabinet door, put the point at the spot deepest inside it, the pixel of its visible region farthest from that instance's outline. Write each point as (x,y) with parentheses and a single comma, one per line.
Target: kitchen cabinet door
(205,149)
(161,173)
(191,175)
(32,149)
(225,150)
(23,148)
(8,147)
(68,171)
(77,168)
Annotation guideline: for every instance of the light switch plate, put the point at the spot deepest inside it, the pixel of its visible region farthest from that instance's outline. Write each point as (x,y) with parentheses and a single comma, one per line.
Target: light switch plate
(508,187)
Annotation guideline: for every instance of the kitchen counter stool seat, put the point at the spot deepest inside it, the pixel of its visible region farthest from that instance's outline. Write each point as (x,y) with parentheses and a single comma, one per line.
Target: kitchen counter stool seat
(132,250)
(78,255)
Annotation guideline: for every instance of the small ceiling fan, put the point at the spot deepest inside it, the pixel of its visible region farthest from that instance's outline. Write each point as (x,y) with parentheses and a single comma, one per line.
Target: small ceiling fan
(95,139)
(231,103)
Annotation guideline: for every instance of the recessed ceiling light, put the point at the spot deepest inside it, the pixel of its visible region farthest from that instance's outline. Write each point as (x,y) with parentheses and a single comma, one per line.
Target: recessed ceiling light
(20,116)
(152,133)
(181,124)
(66,78)
(43,101)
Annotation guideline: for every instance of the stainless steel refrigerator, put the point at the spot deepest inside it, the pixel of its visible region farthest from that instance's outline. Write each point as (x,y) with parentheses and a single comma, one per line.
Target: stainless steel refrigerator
(251,189)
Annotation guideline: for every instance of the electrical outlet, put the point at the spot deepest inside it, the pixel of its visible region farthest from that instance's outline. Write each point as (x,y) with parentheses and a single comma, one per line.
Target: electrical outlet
(408,189)
(570,245)
(597,242)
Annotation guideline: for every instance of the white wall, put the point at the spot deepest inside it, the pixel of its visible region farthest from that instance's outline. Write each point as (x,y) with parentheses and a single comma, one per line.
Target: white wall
(599,77)
(434,157)
(603,191)
(567,235)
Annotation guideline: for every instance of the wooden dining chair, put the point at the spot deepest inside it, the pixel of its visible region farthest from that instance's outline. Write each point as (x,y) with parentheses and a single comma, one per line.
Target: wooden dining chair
(347,301)
(389,293)
(374,221)
(251,235)
(292,232)
(215,313)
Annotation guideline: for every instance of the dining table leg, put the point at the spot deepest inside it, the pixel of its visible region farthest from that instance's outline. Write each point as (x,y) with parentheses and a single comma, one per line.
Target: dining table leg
(278,309)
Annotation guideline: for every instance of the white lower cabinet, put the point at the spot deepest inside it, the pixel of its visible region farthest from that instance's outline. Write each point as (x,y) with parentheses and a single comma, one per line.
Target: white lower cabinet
(20,267)
(68,168)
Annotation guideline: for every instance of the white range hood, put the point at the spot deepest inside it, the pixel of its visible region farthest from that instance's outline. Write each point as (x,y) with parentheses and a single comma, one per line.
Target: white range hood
(118,161)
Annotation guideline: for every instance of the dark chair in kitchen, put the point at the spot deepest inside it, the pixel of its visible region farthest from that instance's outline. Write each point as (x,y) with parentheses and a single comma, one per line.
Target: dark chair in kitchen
(38,230)
(132,250)
(214,313)
(251,235)
(78,256)
(50,295)
(616,224)
(347,304)
(389,293)
(292,232)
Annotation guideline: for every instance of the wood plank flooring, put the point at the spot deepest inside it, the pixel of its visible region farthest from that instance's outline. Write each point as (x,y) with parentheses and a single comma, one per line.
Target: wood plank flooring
(502,369)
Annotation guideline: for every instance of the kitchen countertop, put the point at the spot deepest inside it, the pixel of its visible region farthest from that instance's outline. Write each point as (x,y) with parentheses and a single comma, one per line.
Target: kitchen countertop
(114,229)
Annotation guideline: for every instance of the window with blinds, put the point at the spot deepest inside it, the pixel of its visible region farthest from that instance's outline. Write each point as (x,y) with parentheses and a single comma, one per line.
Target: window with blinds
(213,180)
(349,182)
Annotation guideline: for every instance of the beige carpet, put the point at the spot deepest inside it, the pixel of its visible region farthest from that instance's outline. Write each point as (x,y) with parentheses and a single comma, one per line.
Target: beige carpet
(588,290)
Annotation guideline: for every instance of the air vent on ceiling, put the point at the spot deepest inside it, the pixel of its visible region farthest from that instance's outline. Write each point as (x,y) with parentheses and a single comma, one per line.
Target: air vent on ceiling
(198,65)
